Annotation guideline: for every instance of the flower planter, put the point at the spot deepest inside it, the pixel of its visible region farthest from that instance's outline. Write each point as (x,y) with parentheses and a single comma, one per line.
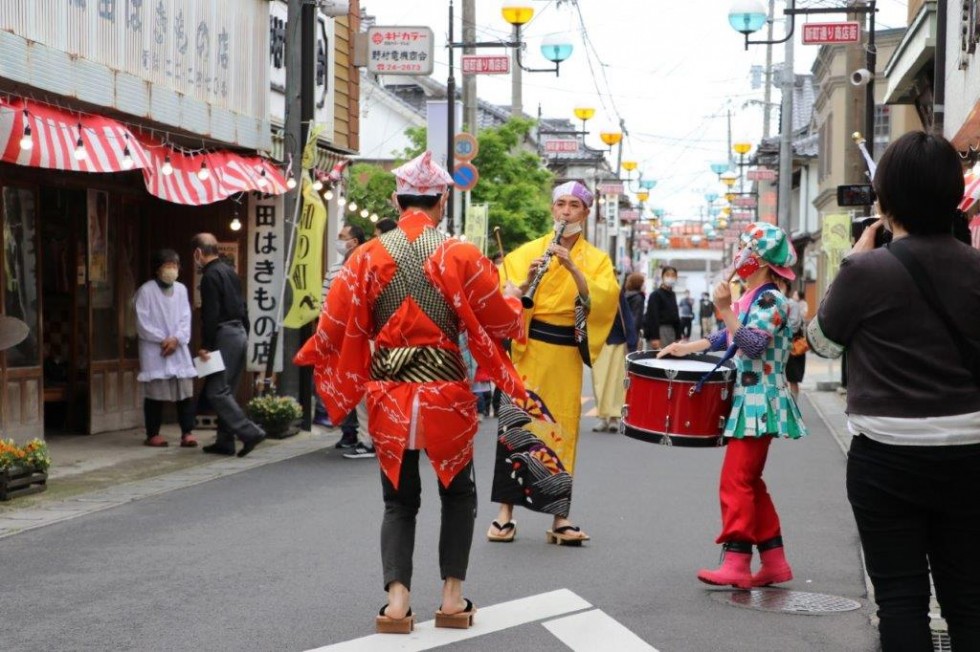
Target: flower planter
(21,481)
(279,430)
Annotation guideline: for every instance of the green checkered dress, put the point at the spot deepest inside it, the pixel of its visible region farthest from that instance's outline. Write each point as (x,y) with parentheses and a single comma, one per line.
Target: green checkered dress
(762,404)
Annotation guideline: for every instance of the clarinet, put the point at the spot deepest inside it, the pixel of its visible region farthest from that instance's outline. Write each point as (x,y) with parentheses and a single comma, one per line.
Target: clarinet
(528,299)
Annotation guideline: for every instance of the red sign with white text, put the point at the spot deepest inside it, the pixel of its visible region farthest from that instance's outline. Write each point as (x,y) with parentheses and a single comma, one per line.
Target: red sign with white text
(819,33)
(486,64)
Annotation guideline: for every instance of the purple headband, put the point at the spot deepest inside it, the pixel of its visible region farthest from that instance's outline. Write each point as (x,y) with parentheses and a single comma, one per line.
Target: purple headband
(575,189)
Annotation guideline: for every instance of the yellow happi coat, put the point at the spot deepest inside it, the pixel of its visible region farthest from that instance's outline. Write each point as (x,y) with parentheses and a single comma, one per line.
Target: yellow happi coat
(552,373)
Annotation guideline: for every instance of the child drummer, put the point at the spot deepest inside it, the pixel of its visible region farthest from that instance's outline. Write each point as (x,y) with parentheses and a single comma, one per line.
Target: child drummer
(757,333)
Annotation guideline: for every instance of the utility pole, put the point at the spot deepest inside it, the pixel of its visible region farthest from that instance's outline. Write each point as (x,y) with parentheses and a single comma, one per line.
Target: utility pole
(300,44)
(786,138)
(516,102)
(939,72)
(470,115)
(767,99)
(731,154)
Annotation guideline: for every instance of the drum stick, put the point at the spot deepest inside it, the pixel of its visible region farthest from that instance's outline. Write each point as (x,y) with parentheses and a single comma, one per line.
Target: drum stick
(500,247)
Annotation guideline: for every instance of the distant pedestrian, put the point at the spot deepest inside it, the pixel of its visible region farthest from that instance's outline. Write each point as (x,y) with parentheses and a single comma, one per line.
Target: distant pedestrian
(384,225)
(762,409)
(636,299)
(609,369)
(224,320)
(907,315)
(662,322)
(706,313)
(685,308)
(163,323)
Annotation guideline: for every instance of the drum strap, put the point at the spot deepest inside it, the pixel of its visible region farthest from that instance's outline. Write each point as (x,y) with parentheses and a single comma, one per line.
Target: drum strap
(730,352)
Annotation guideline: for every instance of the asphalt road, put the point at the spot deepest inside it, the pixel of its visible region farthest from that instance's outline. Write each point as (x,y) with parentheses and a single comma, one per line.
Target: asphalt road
(285,557)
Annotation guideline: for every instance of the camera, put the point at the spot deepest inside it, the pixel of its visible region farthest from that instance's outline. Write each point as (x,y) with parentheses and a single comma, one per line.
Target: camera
(858,226)
(861,194)
(861,77)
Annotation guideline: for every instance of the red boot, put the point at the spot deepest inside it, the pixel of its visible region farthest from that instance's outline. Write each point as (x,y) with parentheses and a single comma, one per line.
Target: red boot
(735,567)
(774,569)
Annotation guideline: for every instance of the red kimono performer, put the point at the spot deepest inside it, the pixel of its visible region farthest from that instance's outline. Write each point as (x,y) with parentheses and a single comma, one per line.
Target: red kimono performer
(414,291)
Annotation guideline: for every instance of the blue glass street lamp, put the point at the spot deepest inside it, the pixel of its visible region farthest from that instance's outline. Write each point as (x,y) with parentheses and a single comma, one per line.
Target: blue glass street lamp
(747,16)
(648,184)
(720,168)
(556,49)
(710,197)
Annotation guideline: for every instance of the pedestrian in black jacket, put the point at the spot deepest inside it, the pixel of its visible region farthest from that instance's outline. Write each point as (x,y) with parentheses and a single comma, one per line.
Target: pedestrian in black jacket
(662,324)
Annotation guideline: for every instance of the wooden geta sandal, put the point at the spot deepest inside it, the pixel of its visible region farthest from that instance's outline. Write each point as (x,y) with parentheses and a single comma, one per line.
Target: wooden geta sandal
(461,620)
(561,536)
(509,530)
(388,625)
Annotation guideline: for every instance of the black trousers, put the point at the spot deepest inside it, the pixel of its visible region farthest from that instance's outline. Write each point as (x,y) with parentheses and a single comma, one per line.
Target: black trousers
(398,526)
(918,510)
(153,415)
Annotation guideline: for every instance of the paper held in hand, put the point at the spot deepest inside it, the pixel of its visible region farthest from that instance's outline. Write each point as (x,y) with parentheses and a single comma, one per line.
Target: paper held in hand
(214,364)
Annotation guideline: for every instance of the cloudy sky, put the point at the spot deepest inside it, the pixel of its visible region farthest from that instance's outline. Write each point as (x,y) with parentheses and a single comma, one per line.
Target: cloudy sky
(671,69)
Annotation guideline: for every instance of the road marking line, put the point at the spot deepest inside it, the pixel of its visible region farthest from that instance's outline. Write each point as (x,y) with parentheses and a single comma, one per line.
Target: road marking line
(596,630)
(487,621)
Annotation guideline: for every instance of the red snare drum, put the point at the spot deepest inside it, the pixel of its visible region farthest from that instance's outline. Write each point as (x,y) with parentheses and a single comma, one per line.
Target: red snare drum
(661,406)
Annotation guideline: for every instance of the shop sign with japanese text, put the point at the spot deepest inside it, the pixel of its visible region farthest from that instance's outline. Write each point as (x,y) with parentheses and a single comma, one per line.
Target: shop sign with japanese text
(486,64)
(323,66)
(611,188)
(400,50)
(265,254)
(561,145)
(204,49)
(761,174)
(819,33)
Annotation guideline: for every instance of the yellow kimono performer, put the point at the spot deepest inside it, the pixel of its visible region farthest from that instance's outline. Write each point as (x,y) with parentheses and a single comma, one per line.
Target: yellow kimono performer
(574,308)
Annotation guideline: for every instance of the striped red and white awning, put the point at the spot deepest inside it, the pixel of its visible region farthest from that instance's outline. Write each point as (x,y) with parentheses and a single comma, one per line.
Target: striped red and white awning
(971,191)
(110,146)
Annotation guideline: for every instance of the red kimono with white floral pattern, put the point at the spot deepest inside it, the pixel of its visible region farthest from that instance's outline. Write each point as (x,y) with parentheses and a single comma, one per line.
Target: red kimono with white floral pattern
(440,416)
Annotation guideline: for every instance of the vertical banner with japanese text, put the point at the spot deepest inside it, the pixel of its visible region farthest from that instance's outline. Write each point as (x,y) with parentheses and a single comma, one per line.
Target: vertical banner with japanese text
(306,271)
(265,255)
(476,225)
(835,240)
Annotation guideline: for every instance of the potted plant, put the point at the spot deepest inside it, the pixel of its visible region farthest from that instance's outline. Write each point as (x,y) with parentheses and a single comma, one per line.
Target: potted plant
(275,414)
(23,469)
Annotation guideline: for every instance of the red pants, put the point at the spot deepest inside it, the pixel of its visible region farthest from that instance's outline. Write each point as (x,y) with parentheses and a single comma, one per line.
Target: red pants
(747,512)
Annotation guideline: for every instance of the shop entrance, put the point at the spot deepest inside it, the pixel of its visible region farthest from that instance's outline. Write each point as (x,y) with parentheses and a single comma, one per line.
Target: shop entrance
(89,252)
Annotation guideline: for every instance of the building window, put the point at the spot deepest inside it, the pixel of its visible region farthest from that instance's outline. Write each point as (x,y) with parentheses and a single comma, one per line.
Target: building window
(883,129)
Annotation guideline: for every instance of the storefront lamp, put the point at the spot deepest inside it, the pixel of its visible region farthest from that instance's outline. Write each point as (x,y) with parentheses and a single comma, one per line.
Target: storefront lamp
(374,217)
(166,169)
(517,13)
(236,224)
(291,183)
(352,206)
(80,153)
(556,49)
(204,173)
(127,160)
(263,182)
(328,195)
(26,142)
(747,16)
(341,201)
(365,212)
(318,186)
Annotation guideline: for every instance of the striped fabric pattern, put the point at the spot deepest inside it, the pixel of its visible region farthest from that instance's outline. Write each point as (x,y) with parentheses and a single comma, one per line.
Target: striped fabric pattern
(55,134)
(417,364)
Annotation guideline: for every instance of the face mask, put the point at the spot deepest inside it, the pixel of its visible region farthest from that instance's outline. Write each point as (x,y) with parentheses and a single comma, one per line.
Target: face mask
(669,282)
(340,246)
(570,229)
(168,276)
(748,268)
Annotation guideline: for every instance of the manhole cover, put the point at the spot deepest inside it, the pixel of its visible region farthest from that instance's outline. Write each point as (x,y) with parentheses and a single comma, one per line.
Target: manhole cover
(793,602)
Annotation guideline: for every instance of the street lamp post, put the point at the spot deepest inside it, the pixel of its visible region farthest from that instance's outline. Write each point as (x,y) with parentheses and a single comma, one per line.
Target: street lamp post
(517,14)
(747,17)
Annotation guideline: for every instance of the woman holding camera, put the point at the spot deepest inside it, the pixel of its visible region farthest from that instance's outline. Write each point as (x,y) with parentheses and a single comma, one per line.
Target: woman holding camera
(906,313)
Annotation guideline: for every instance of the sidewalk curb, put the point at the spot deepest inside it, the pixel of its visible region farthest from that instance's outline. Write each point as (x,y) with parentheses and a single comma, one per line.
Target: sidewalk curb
(17,521)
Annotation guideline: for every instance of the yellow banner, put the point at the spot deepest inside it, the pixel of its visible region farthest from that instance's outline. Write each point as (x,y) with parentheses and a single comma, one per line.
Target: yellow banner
(306,272)
(476,225)
(835,240)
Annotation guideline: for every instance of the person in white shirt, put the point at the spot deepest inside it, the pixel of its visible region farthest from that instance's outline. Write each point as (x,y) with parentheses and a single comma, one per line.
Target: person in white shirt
(163,323)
